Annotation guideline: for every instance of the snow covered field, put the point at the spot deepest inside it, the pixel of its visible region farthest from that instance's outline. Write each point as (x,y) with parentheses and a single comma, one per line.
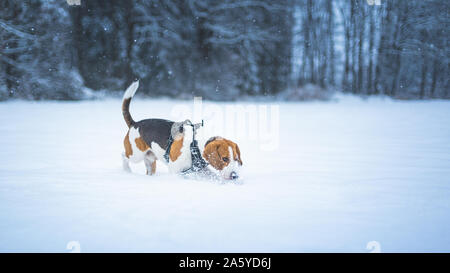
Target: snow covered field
(344,174)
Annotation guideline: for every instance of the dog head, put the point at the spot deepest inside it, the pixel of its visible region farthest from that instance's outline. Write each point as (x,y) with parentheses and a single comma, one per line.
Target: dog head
(179,129)
(224,156)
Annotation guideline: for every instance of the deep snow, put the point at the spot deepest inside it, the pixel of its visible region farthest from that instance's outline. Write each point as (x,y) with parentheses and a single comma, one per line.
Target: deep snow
(344,174)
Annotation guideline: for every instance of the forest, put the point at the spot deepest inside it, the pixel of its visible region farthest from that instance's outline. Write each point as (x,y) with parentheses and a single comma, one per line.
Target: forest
(224,49)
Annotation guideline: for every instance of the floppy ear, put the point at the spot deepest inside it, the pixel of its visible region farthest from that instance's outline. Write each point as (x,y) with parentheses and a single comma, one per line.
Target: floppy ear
(236,150)
(211,154)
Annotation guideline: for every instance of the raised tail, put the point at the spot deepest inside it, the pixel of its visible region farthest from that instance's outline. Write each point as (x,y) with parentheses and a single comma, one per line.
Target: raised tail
(131,90)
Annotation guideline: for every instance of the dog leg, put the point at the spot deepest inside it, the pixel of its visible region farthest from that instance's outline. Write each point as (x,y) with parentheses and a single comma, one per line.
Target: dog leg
(154,167)
(125,163)
(150,163)
(158,152)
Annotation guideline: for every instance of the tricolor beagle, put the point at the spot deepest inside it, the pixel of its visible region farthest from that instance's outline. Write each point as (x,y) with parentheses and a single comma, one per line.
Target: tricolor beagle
(147,140)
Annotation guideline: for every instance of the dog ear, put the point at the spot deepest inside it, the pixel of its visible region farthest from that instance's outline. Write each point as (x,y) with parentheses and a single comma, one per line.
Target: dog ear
(236,151)
(211,154)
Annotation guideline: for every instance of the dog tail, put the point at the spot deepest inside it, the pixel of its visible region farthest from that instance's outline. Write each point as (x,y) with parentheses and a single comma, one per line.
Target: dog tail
(131,90)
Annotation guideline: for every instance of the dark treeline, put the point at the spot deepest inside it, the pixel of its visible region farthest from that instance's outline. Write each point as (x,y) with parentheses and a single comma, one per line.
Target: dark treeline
(223,49)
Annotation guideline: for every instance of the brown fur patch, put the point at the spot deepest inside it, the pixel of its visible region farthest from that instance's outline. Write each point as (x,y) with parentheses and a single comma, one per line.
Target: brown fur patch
(154,167)
(153,171)
(175,150)
(127,145)
(140,143)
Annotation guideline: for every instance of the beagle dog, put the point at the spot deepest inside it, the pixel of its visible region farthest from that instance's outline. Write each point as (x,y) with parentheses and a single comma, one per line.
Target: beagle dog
(224,156)
(151,139)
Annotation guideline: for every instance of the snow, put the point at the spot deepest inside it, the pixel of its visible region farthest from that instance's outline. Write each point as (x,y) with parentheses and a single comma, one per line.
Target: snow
(345,173)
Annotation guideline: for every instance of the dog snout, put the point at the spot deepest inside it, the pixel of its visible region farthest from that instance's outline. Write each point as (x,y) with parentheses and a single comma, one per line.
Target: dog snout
(234,175)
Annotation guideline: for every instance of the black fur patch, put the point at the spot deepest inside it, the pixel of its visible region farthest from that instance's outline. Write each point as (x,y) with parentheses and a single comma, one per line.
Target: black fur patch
(155,130)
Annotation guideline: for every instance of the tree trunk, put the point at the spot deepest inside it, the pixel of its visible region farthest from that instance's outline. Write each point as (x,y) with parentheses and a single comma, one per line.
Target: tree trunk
(386,25)
(397,49)
(130,41)
(424,77)
(362,24)
(310,49)
(434,78)
(347,55)
(331,60)
(354,29)
(371,45)
(77,29)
